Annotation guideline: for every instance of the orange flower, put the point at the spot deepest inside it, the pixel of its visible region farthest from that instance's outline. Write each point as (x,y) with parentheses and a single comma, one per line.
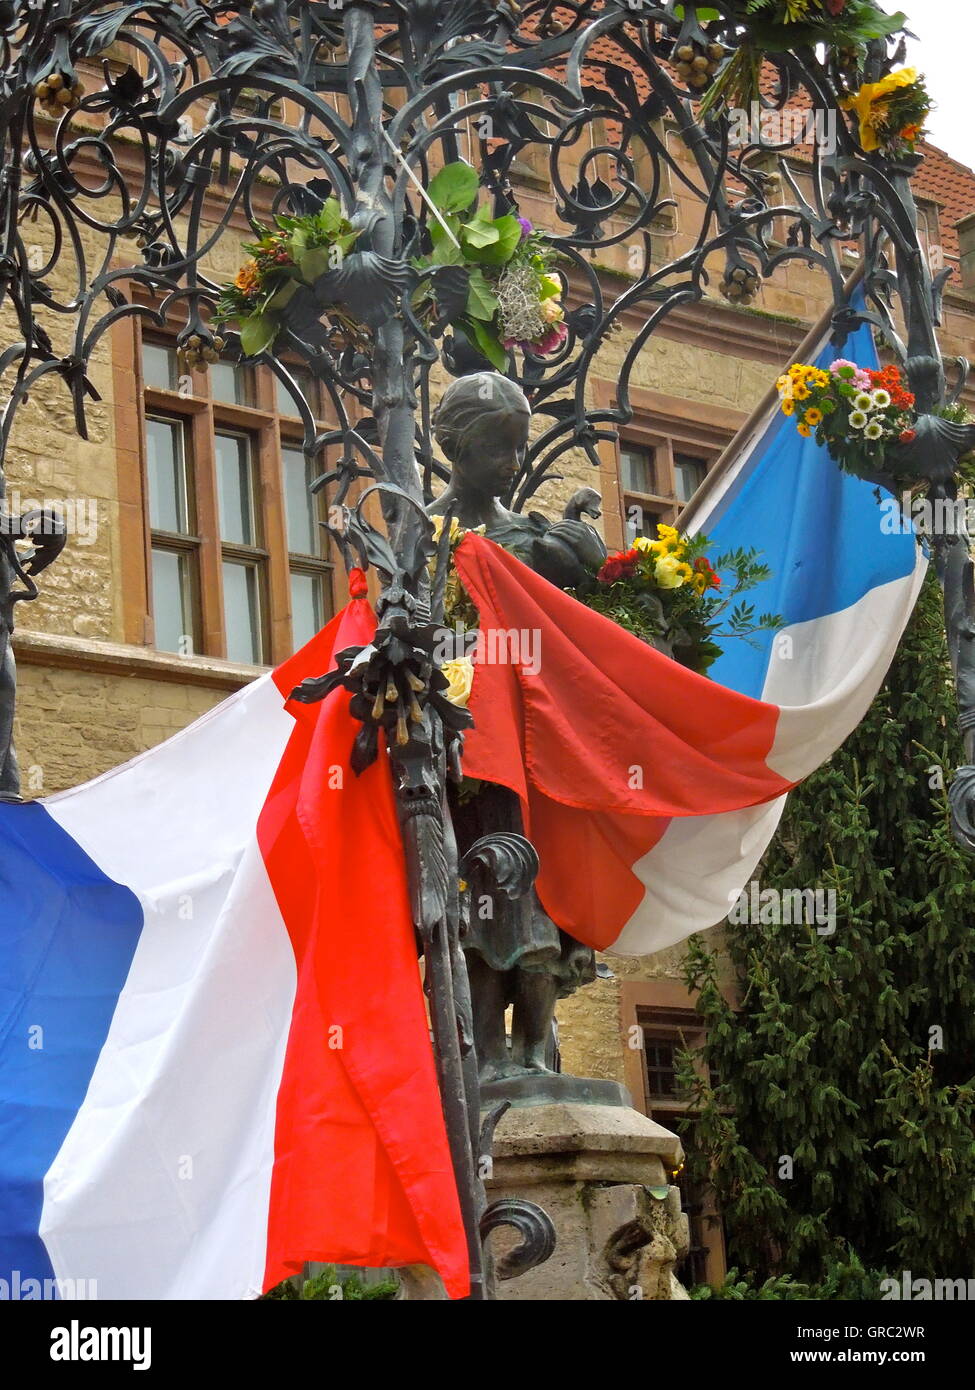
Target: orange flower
(247,277)
(911,132)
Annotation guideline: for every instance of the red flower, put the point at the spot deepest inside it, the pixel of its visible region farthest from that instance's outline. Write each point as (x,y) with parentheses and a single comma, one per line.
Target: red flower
(622,565)
(703,566)
(835,7)
(908,436)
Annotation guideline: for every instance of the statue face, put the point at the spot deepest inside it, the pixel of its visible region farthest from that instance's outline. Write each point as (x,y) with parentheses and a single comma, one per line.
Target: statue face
(489,461)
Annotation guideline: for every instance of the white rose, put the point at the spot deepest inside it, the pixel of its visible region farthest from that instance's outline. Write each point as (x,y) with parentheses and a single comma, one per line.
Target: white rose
(666,573)
(460,674)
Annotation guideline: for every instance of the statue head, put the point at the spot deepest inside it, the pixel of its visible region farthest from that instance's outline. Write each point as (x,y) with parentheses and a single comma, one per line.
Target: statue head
(482,426)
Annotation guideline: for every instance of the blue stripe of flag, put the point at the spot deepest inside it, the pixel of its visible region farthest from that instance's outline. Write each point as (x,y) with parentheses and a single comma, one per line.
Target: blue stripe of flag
(67,938)
(818,528)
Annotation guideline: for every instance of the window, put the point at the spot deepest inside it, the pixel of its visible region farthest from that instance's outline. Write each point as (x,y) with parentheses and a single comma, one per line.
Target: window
(242,561)
(637,471)
(307,385)
(697,1203)
(689,474)
(667,1033)
(638,478)
(159,366)
(238,561)
(175,546)
(309,573)
(232,383)
(929,235)
(657,478)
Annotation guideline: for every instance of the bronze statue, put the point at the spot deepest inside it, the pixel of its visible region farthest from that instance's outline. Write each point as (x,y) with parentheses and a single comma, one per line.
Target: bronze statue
(515,953)
(482,427)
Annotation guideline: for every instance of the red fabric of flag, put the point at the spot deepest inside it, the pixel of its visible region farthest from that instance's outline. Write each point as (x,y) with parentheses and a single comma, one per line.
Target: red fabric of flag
(362,1172)
(604,739)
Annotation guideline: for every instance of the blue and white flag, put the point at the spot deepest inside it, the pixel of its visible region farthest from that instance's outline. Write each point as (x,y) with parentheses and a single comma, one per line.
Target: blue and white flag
(844,582)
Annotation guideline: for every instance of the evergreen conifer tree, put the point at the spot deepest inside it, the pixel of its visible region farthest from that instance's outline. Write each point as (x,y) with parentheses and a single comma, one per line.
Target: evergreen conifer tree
(841,1132)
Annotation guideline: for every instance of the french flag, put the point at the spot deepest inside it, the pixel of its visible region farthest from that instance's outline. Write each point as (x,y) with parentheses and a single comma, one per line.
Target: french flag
(651,793)
(214,1053)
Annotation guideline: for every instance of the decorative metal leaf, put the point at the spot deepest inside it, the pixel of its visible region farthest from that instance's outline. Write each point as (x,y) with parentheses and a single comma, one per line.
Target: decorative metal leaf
(451,285)
(97,32)
(428,874)
(248,48)
(48,533)
(434,23)
(367,284)
(532,1223)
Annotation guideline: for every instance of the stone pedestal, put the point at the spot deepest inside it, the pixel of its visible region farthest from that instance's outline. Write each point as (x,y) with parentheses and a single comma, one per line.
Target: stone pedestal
(601,1171)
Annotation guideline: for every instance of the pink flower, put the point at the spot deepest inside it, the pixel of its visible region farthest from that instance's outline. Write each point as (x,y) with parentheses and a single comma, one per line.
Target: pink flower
(553,340)
(849,371)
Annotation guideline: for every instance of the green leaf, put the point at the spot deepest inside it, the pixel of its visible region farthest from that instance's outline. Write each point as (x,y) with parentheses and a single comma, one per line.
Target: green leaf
(488,342)
(446,253)
(455,187)
(316,263)
(476,235)
(329,217)
(482,302)
(283,296)
(437,232)
(500,251)
(257,333)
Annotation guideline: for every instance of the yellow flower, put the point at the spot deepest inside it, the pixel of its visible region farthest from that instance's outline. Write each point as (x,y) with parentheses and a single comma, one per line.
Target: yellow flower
(669,572)
(647,546)
(788,407)
(460,674)
(813,416)
(869,105)
(700,583)
(685,571)
(804,430)
(667,533)
(801,391)
(552,310)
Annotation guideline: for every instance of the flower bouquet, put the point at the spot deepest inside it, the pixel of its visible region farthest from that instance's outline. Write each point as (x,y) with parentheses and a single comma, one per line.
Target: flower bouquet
(855,412)
(509,298)
(297,254)
(891,113)
(780,26)
(666,591)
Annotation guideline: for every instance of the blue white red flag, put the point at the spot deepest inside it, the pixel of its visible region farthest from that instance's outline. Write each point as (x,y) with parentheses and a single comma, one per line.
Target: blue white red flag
(215,1061)
(605,740)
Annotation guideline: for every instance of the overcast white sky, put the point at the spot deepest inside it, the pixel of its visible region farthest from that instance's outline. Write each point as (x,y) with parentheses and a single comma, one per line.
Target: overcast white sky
(945,53)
